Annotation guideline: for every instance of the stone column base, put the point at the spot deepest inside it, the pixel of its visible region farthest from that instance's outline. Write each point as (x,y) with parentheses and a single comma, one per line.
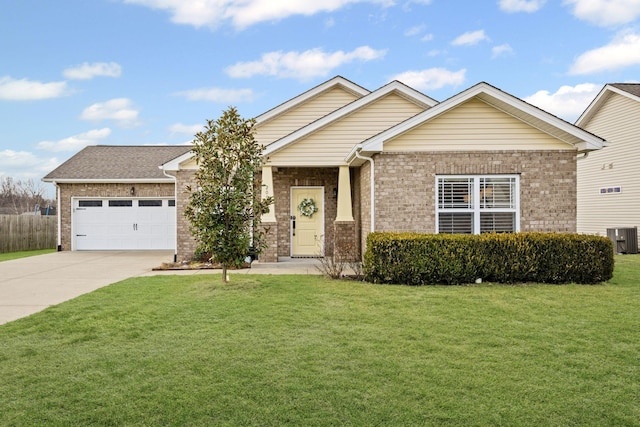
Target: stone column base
(346,245)
(270,253)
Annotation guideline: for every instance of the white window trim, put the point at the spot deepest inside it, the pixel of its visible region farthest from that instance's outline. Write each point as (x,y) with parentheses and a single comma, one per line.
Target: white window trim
(476,198)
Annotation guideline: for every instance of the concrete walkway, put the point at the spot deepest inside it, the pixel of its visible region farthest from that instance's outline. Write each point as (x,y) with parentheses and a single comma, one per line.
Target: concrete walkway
(29,285)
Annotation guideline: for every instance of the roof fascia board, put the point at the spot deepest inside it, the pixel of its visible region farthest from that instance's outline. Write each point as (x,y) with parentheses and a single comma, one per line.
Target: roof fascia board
(376,143)
(334,82)
(174,165)
(394,86)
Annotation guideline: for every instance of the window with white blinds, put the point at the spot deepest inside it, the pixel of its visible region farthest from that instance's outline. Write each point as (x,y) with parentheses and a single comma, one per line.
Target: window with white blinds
(477,204)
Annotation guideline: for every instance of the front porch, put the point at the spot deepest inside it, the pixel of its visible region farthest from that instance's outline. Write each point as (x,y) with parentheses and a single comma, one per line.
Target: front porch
(332,230)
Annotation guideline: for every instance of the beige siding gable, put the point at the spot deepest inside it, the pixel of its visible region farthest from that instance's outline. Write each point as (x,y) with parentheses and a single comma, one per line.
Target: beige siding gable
(474,125)
(303,114)
(330,145)
(618,121)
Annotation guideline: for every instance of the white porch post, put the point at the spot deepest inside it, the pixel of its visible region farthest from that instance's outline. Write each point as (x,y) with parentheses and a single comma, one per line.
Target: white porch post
(267,191)
(345,212)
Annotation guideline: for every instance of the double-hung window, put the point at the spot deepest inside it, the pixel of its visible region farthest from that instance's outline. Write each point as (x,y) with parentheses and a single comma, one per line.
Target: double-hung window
(477,204)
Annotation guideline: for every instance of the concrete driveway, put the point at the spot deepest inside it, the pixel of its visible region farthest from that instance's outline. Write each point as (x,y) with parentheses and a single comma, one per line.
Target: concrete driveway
(29,285)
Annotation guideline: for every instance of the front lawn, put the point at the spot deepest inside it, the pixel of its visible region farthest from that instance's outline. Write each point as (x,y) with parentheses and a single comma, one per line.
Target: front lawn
(303,350)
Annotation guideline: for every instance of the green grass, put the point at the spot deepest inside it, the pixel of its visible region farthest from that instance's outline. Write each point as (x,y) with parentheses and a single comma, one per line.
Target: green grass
(23,254)
(302,350)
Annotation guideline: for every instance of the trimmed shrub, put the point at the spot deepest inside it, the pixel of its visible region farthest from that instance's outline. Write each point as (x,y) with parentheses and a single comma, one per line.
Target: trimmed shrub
(421,259)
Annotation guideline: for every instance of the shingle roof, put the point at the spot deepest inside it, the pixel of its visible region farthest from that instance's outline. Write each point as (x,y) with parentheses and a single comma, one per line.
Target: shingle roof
(632,88)
(117,162)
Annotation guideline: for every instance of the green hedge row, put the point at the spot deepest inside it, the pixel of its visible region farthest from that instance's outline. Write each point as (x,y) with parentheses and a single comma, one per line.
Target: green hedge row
(423,259)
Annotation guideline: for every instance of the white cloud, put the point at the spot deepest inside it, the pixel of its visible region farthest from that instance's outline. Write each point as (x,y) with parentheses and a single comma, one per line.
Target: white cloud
(244,13)
(75,142)
(470,38)
(88,71)
(25,165)
(302,65)
(415,30)
(219,95)
(432,78)
(427,38)
(185,129)
(27,90)
(622,52)
(606,13)
(502,50)
(513,6)
(567,102)
(119,110)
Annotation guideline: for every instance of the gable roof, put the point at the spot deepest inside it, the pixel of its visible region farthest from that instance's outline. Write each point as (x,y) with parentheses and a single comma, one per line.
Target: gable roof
(117,163)
(337,81)
(392,87)
(628,90)
(509,104)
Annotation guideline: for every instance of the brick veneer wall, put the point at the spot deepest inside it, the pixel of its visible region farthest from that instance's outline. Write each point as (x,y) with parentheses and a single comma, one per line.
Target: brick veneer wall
(186,245)
(67,191)
(405,186)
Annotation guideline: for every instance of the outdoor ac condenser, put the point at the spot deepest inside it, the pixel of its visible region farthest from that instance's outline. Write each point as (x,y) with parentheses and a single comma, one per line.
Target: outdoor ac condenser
(625,240)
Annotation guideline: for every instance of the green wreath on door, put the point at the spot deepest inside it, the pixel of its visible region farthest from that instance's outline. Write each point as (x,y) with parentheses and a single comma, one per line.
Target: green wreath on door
(307,207)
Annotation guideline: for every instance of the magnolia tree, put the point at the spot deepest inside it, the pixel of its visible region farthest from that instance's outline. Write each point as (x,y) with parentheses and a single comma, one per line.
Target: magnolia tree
(225,208)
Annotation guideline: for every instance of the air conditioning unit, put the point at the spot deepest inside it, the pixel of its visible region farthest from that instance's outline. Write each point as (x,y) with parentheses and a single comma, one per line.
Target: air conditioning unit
(625,240)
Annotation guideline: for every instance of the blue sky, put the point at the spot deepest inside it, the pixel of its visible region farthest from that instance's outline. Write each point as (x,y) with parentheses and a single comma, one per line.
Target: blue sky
(130,72)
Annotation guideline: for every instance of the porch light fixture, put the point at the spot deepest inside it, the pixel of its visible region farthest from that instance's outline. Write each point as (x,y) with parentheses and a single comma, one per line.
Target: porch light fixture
(335,192)
(132,191)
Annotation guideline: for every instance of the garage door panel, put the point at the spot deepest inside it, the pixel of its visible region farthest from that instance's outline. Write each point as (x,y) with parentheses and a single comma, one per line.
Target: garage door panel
(124,224)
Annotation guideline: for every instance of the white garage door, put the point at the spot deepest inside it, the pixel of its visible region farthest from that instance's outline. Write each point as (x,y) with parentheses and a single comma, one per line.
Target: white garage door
(115,224)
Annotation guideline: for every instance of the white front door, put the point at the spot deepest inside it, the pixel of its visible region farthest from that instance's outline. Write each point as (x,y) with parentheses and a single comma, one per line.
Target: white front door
(117,224)
(307,221)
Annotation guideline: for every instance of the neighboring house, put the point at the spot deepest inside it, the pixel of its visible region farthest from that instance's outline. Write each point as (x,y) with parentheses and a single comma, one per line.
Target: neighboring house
(608,180)
(396,160)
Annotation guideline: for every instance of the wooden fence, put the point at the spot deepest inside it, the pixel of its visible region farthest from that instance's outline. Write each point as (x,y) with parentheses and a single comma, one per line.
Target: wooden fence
(27,232)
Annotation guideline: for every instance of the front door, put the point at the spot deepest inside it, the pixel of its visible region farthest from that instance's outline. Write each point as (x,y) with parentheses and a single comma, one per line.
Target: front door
(307,221)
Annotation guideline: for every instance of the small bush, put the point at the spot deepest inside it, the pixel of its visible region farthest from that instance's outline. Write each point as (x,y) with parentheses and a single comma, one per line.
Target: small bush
(420,259)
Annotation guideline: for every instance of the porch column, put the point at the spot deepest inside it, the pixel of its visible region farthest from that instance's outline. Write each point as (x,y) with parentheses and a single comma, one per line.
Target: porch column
(345,212)
(269,224)
(267,191)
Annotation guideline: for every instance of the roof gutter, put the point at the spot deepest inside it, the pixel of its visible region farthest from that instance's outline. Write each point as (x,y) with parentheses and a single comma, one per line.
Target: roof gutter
(175,197)
(373,175)
(59,215)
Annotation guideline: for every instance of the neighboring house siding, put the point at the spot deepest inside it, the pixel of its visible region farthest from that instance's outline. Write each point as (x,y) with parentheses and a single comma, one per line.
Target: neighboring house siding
(330,145)
(475,125)
(93,191)
(405,186)
(618,121)
(303,114)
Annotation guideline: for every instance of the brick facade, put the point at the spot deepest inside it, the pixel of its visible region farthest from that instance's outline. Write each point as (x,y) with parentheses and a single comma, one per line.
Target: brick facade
(120,190)
(406,194)
(186,244)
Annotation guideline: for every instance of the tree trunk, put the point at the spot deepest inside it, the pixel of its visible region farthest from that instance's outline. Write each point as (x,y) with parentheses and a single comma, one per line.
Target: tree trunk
(224,274)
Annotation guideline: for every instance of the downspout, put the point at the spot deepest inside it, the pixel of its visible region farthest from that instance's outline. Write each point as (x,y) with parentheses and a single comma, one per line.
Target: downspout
(373,193)
(59,214)
(175,197)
